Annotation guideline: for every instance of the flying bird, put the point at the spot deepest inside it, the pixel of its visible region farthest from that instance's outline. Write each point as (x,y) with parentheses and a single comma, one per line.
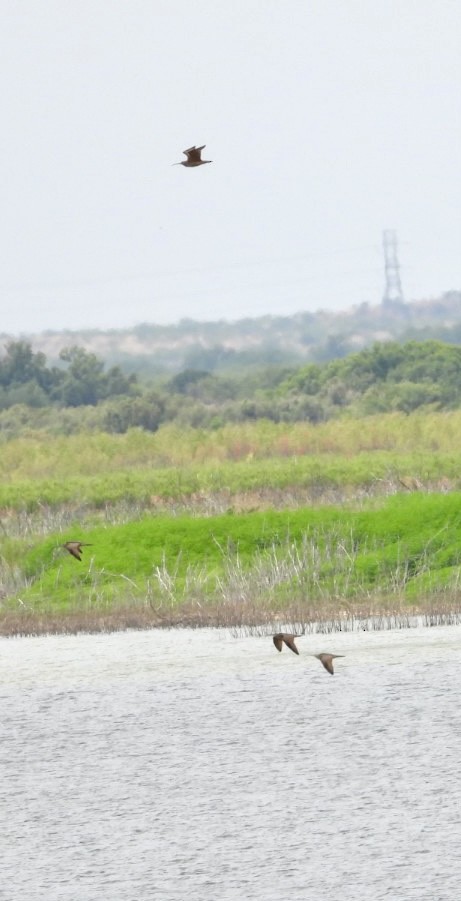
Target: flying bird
(282,638)
(194,157)
(327,661)
(75,548)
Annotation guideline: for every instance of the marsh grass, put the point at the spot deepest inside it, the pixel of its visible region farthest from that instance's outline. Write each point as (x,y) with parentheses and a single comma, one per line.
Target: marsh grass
(246,525)
(238,487)
(256,463)
(40,455)
(247,619)
(324,565)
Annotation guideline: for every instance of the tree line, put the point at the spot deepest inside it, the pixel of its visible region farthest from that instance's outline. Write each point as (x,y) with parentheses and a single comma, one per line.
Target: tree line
(80,393)
(25,378)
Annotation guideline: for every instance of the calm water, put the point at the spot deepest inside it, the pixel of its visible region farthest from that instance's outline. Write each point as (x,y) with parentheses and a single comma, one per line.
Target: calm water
(194,765)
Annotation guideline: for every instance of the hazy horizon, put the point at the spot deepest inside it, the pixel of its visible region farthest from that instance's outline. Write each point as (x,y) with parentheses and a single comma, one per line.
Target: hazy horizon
(206,321)
(326,123)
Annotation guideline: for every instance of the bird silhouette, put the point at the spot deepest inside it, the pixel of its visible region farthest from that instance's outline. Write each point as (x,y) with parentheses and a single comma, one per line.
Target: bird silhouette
(194,157)
(327,661)
(75,548)
(283,638)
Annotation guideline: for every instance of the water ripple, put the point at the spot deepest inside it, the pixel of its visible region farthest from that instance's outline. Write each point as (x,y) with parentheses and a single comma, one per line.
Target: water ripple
(196,765)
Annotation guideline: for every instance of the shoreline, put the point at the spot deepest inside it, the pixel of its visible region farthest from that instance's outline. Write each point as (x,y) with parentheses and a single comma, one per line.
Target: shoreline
(249,620)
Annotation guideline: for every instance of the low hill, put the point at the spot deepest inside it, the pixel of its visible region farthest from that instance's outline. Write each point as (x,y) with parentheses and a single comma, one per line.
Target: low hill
(224,346)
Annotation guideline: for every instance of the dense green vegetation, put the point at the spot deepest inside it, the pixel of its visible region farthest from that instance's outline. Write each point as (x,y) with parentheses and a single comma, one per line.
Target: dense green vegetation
(240,522)
(25,378)
(148,487)
(406,548)
(97,470)
(293,492)
(387,377)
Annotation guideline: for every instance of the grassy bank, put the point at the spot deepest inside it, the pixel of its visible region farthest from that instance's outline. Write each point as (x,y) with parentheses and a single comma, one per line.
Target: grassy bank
(399,555)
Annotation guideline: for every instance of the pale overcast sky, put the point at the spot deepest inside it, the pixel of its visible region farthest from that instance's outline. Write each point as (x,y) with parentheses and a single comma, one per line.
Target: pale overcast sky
(327,121)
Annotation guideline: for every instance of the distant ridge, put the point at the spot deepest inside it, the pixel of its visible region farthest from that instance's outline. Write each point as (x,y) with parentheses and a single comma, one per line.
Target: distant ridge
(284,340)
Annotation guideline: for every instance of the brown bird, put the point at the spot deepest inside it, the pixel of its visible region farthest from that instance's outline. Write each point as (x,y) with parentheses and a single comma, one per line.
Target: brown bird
(75,548)
(327,661)
(194,157)
(289,640)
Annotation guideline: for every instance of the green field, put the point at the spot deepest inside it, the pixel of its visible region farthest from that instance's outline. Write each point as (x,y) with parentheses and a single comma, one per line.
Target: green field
(244,536)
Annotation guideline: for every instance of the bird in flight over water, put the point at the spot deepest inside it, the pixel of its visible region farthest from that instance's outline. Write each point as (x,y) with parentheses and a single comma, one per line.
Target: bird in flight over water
(75,548)
(327,661)
(194,157)
(283,638)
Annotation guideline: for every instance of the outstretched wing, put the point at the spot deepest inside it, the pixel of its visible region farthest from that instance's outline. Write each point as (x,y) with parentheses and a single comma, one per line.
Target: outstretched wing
(74,548)
(278,641)
(290,643)
(193,154)
(328,664)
